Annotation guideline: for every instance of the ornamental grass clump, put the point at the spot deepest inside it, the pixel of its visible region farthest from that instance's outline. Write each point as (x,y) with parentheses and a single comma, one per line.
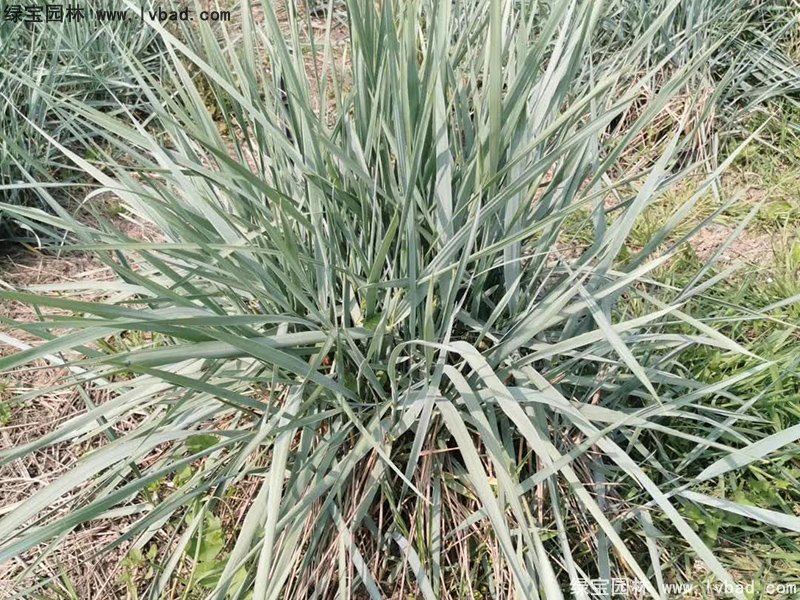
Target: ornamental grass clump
(372,314)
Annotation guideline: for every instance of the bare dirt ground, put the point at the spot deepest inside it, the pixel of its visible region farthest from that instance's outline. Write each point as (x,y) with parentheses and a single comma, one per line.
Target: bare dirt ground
(750,249)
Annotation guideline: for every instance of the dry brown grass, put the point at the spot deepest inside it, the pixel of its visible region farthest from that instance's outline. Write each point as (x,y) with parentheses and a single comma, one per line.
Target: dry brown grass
(75,560)
(22,478)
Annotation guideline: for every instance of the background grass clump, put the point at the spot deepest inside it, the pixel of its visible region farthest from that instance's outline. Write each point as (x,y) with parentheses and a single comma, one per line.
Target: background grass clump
(426,318)
(751,67)
(77,57)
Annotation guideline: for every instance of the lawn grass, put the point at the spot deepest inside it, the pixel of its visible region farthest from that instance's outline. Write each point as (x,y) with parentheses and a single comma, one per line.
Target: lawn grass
(758,306)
